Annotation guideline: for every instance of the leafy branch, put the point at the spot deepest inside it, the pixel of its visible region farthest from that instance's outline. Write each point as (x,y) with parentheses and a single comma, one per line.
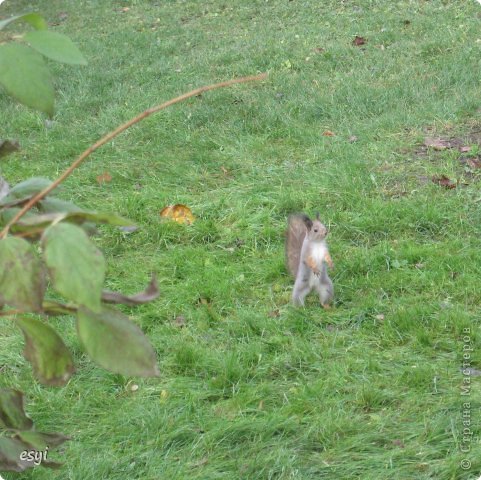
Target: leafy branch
(65,258)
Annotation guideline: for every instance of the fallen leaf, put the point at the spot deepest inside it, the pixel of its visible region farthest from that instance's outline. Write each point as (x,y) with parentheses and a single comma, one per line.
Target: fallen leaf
(125,9)
(8,146)
(319,50)
(224,170)
(328,133)
(443,181)
(464,149)
(179,213)
(380,317)
(398,443)
(274,314)
(104,178)
(473,163)
(353,139)
(148,295)
(261,405)
(358,41)
(180,321)
(437,143)
(419,265)
(62,16)
(164,394)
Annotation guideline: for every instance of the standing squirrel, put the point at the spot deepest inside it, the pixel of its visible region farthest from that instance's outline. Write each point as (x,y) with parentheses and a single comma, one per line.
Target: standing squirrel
(307,255)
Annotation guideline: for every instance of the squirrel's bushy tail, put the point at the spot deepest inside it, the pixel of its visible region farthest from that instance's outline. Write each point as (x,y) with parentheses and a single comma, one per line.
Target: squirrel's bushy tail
(296,232)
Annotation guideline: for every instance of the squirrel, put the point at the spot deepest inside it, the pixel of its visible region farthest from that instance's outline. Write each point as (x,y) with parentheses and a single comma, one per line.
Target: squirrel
(306,257)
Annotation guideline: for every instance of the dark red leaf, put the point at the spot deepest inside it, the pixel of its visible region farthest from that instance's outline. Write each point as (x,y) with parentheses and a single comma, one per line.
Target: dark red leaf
(148,295)
(358,41)
(443,181)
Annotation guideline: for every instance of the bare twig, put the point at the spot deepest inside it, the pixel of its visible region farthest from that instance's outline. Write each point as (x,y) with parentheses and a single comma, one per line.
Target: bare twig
(113,134)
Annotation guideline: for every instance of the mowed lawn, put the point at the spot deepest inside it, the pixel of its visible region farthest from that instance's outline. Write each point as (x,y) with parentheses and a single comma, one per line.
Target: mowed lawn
(251,388)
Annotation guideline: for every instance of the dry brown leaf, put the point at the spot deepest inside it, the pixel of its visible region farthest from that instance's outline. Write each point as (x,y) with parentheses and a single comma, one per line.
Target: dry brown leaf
(224,170)
(473,163)
(358,41)
(104,178)
(328,133)
(179,213)
(437,143)
(464,149)
(319,50)
(274,314)
(443,181)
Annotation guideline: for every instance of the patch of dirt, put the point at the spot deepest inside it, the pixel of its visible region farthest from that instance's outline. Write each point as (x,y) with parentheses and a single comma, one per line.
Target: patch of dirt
(465,150)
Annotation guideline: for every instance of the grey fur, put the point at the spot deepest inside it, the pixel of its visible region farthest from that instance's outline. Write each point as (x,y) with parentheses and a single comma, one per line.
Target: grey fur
(311,276)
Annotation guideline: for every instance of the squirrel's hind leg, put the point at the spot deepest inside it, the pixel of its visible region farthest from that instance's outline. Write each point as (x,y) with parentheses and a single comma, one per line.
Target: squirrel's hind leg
(325,291)
(300,293)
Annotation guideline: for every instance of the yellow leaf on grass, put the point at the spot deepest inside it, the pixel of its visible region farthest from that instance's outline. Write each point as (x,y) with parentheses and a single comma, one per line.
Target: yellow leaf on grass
(104,178)
(179,213)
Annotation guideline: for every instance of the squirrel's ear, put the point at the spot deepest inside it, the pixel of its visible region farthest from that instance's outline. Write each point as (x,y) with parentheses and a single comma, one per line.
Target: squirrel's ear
(307,221)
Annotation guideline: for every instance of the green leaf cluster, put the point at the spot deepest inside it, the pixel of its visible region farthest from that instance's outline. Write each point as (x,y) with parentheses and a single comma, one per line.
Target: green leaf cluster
(50,245)
(23,436)
(68,260)
(24,73)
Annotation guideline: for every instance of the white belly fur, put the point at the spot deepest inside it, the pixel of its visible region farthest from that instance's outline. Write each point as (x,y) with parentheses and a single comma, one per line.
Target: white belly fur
(318,253)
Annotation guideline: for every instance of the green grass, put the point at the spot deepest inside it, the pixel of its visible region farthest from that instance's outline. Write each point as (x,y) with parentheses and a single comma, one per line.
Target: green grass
(244,394)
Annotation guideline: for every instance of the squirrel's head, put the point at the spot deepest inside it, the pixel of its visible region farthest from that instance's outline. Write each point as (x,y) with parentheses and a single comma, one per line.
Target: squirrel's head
(316,229)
